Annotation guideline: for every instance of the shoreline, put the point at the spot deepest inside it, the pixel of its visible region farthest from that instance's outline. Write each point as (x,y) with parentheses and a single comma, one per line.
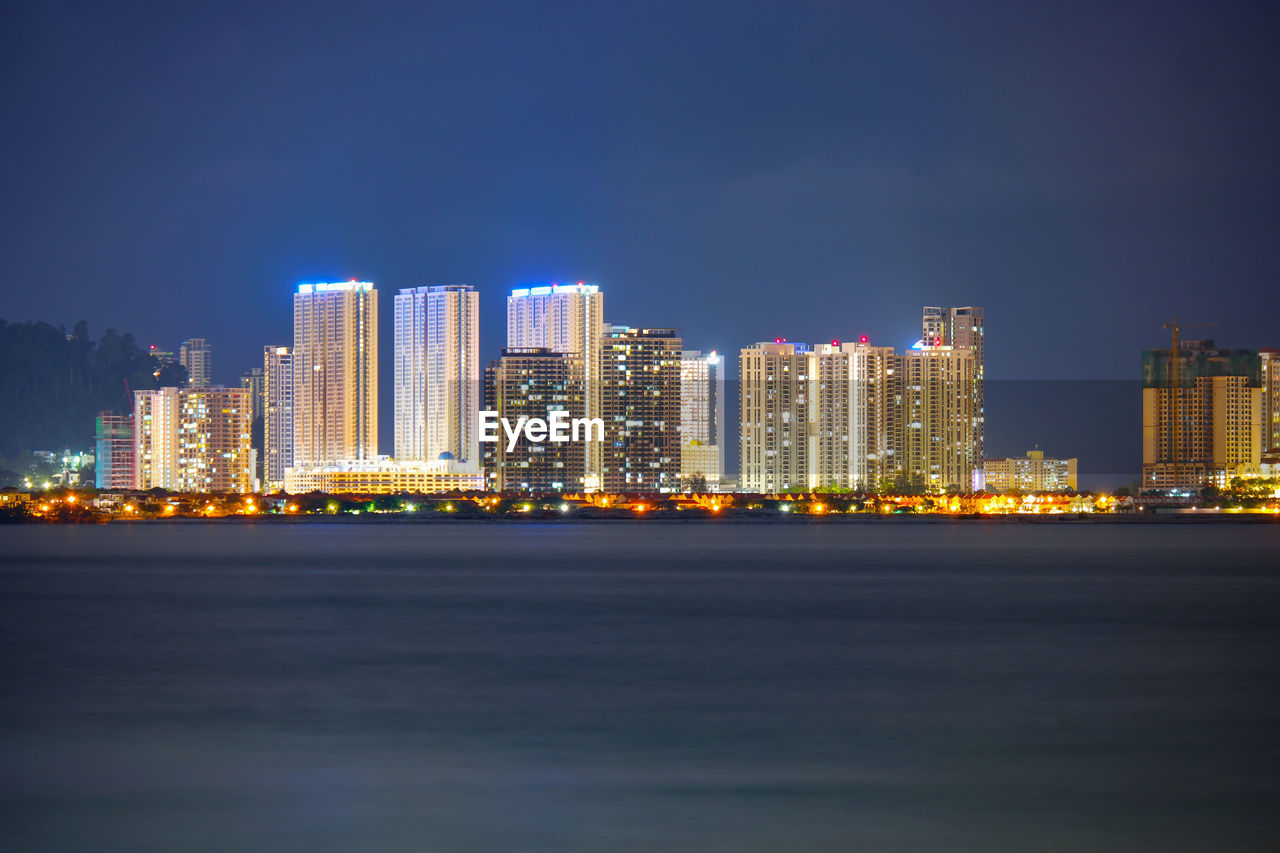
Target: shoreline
(683,518)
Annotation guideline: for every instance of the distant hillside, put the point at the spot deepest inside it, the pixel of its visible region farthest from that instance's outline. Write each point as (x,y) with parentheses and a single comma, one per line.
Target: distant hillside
(53,383)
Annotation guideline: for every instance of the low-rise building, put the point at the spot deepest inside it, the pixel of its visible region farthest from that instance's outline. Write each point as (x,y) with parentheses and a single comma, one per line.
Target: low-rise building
(383,476)
(698,460)
(1031,473)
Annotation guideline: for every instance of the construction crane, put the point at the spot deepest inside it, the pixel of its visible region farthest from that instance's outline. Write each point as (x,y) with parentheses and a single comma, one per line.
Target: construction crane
(1175,393)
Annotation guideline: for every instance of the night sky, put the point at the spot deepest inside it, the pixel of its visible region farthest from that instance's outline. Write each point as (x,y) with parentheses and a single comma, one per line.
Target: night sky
(742,171)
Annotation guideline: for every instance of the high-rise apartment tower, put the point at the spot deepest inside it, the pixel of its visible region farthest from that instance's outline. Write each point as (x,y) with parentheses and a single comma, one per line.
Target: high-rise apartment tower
(335,372)
(437,373)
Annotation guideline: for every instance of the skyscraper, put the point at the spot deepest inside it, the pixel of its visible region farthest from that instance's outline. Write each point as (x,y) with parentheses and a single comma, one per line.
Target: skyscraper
(701,416)
(1270,381)
(850,422)
(114,451)
(883,400)
(196,356)
(816,417)
(1217,405)
(213,440)
(437,373)
(936,449)
(155,435)
(776,413)
(335,372)
(640,405)
(252,381)
(564,318)
(532,382)
(963,328)
(277,415)
(192,439)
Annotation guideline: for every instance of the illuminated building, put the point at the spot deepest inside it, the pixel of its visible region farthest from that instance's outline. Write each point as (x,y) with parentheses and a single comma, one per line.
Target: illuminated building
(698,460)
(213,440)
(155,435)
(335,373)
(114,451)
(777,411)
(563,318)
(196,356)
(253,382)
(1030,473)
(850,410)
(640,406)
(933,418)
(437,372)
(382,476)
(883,401)
(1218,407)
(701,416)
(277,415)
(1270,382)
(817,417)
(963,328)
(533,382)
(489,403)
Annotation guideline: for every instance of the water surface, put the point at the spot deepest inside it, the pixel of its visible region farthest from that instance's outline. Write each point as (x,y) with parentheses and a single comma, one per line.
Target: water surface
(458,687)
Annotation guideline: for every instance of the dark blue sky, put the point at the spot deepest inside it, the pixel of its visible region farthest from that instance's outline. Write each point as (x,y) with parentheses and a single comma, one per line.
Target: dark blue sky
(740,171)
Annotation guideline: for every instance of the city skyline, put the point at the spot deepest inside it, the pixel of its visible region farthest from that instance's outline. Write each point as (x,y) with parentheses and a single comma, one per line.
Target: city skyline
(864,435)
(880,164)
(674,426)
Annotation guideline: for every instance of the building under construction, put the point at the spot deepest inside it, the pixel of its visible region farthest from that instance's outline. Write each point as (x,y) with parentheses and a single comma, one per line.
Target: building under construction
(1201,416)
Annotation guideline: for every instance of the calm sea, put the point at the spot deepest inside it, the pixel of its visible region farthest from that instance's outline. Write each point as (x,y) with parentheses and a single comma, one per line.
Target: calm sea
(640,687)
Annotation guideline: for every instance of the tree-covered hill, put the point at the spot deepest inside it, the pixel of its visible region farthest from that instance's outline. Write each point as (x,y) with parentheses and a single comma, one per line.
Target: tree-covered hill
(53,383)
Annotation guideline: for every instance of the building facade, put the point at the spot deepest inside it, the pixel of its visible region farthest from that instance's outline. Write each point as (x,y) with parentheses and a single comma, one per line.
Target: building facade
(254,382)
(335,373)
(819,417)
(1031,473)
(155,436)
(1269,367)
(777,410)
(936,449)
(563,318)
(383,476)
(1206,429)
(196,356)
(214,453)
(963,328)
(277,415)
(640,406)
(437,373)
(700,466)
(114,451)
(533,382)
(702,416)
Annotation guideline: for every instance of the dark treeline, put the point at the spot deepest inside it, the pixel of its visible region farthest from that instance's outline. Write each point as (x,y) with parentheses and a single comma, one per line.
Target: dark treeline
(53,383)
